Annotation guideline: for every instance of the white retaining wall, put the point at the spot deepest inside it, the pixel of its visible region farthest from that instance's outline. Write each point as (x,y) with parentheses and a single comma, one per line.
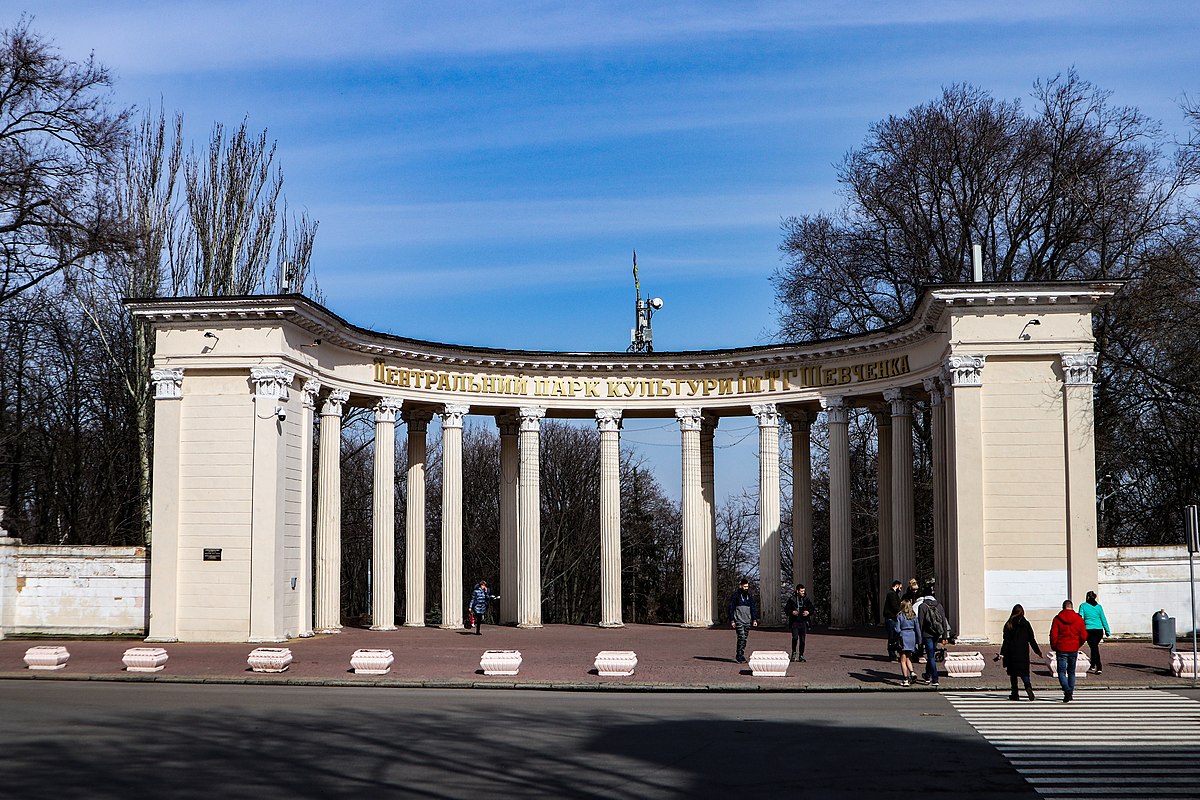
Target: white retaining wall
(1135,582)
(72,590)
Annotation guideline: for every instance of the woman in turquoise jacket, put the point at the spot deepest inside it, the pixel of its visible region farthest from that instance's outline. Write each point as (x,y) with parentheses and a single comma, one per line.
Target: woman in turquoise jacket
(1097,628)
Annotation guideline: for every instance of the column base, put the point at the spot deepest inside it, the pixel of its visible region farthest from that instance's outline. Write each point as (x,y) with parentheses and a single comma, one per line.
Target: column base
(529,625)
(457,627)
(265,640)
(160,639)
(696,625)
(384,628)
(307,634)
(612,624)
(972,640)
(414,624)
(338,629)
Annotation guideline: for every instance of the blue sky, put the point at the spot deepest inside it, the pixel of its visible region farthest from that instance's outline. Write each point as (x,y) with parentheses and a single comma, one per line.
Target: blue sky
(482,171)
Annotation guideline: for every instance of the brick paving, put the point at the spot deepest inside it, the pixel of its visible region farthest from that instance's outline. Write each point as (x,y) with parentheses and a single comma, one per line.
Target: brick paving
(670,658)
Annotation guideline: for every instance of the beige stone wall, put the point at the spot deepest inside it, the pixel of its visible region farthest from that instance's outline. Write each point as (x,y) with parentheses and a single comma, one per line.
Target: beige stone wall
(77,590)
(1026,504)
(215,449)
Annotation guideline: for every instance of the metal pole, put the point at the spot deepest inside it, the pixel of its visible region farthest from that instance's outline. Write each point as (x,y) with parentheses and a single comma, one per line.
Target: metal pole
(1192,583)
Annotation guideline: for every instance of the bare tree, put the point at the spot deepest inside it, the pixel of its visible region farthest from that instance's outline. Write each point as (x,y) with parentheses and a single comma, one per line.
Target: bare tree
(58,142)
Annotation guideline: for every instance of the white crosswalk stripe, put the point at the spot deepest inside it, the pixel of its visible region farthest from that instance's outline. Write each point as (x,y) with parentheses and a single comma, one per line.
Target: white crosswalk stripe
(1105,743)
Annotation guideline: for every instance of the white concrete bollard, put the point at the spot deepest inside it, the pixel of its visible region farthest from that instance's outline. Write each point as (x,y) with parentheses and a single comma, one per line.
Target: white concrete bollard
(616,663)
(500,662)
(769,663)
(369,661)
(46,657)
(269,659)
(144,659)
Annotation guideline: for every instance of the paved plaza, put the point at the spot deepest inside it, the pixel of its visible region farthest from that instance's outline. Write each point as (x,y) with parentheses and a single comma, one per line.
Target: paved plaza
(561,656)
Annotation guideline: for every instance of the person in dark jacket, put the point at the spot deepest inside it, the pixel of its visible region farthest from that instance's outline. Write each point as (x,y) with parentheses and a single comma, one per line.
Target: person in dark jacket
(1067,635)
(891,607)
(743,615)
(1018,638)
(477,606)
(799,612)
(935,628)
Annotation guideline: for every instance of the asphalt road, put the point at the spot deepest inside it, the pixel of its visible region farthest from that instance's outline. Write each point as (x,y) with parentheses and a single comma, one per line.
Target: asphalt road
(100,740)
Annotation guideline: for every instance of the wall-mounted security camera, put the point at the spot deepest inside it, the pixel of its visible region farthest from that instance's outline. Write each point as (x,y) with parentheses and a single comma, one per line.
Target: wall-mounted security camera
(281,413)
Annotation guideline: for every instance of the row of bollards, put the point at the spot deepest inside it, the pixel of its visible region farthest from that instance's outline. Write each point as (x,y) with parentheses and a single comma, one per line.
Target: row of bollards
(366,661)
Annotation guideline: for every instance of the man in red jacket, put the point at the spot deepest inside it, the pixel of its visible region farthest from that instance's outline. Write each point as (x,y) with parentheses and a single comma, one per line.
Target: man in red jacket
(1067,635)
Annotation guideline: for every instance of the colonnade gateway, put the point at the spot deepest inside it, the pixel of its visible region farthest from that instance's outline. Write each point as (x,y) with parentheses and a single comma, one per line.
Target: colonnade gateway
(1006,368)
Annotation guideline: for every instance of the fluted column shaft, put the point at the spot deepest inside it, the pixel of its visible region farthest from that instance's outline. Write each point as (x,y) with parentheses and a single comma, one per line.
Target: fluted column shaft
(708,489)
(802,507)
(510,427)
(329,515)
(697,583)
(608,420)
(937,408)
(453,600)
(904,542)
(383,518)
(841,564)
(883,470)
(304,581)
(768,514)
(529,530)
(414,518)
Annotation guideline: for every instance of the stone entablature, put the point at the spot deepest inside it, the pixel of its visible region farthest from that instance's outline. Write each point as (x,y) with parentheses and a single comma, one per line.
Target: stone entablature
(315,342)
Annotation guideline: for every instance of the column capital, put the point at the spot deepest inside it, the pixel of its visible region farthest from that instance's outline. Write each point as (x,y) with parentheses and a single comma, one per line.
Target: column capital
(452,415)
(689,418)
(332,407)
(935,389)
(272,382)
(531,417)
(882,414)
(767,415)
(798,417)
(708,424)
(417,419)
(1079,369)
(837,410)
(965,370)
(608,419)
(168,383)
(509,424)
(312,387)
(899,401)
(387,408)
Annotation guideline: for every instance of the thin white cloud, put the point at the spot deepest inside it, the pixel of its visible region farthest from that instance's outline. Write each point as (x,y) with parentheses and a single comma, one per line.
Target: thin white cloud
(150,37)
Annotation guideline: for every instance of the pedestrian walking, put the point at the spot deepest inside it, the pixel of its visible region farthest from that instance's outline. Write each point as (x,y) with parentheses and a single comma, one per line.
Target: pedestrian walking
(935,628)
(1067,635)
(891,607)
(913,592)
(799,612)
(1018,638)
(909,630)
(1097,628)
(477,606)
(743,615)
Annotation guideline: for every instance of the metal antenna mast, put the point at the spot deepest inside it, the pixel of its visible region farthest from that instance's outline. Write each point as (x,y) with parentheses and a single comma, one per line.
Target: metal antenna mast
(641,337)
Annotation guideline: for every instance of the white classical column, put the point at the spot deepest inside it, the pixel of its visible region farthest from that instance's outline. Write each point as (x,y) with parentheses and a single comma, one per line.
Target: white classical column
(937,425)
(510,428)
(453,601)
(904,542)
(965,497)
(708,490)
(417,420)
(841,563)
(1079,370)
(268,470)
(329,515)
(164,509)
(768,513)
(697,581)
(608,420)
(883,496)
(383,518)
(304,582)
(529,529)
(800,422)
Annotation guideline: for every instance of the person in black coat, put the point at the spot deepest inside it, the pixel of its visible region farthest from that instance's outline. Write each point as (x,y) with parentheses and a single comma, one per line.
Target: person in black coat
(799,612)
(1018,638)
(891,608)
